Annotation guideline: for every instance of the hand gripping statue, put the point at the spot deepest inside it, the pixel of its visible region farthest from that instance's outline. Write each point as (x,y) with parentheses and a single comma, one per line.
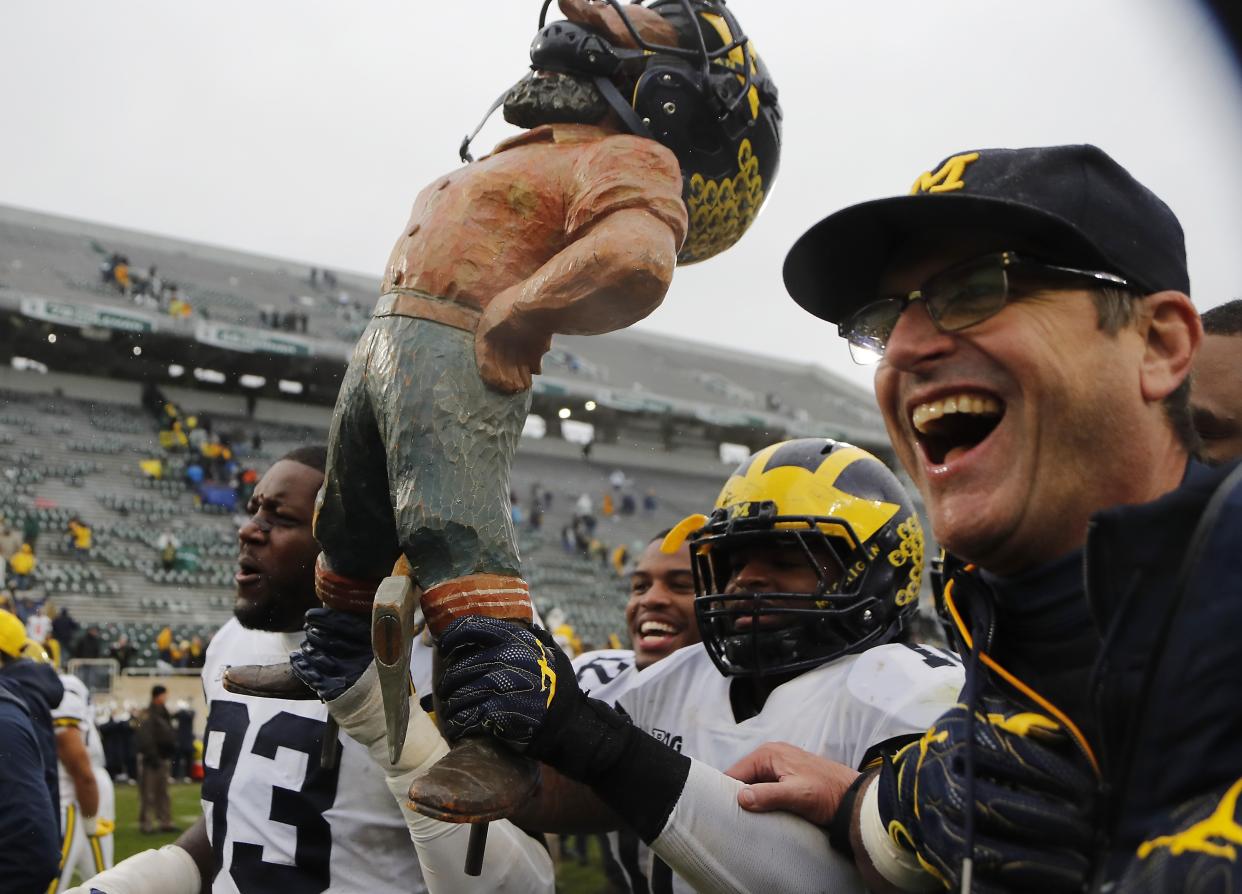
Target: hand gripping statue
(653,136)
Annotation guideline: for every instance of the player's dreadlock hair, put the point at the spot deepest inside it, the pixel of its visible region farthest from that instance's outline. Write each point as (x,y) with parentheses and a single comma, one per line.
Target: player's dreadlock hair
(313,455)
(1224,320)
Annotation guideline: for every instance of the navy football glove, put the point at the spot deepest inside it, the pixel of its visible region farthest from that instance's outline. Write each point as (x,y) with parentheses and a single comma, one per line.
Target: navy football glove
(513,682)
(1033,798)
(1193,849)
(336,651)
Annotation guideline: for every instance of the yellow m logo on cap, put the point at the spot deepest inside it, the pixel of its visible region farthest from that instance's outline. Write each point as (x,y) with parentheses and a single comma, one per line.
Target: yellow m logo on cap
(947,179)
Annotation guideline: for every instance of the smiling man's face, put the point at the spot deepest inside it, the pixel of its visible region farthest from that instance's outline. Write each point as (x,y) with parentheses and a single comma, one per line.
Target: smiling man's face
(660,612)
(1015,429)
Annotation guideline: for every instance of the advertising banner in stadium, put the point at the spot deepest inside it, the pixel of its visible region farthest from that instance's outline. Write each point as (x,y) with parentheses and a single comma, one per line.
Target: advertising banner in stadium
(82,315)
(250,341)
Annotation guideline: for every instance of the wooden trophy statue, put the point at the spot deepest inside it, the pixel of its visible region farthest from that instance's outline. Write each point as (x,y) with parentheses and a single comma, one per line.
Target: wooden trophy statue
(652,136)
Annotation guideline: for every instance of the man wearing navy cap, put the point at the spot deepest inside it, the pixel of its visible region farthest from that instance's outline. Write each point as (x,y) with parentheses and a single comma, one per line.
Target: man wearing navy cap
(1028,312)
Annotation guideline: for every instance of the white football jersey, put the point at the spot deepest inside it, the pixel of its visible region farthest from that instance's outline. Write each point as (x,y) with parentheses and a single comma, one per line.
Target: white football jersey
(843,710)
(605,673)
(75,710)
(277,821)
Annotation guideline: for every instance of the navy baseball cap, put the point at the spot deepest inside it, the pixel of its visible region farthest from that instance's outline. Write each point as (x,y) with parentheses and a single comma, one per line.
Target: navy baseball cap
(1076,204)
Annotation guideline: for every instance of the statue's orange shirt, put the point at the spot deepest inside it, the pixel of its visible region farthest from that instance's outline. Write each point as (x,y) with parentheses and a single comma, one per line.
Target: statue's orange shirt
(493,223)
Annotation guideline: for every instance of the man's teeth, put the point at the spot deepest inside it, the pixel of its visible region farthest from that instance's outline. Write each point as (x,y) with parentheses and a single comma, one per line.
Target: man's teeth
(974,404)
(656,628)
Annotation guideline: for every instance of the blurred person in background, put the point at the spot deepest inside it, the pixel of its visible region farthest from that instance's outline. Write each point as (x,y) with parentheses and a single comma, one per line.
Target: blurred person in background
(89,644)
(156,742)
(122,651)
(24,665)
(183,757)
(87,801)
(39,625)
(65,629)
(29,835)
(1216,387)
(22,566)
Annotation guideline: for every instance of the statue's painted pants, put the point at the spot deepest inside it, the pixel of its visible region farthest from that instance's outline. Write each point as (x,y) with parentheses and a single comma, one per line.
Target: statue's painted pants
(419,456)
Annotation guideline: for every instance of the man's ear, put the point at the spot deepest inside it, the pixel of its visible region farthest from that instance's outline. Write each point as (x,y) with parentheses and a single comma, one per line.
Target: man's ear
(1172,335)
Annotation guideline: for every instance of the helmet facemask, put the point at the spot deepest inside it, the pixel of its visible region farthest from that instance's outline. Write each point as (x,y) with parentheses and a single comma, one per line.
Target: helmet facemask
(780,632)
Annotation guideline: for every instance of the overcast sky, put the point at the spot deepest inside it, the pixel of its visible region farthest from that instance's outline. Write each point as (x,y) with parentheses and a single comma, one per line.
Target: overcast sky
(304,128)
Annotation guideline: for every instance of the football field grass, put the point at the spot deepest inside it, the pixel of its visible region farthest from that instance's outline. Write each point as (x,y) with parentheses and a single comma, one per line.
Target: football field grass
(572,878)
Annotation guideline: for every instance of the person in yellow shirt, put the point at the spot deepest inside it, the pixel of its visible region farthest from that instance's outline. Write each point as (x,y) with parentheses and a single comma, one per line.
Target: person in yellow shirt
(22,567)
(83,537)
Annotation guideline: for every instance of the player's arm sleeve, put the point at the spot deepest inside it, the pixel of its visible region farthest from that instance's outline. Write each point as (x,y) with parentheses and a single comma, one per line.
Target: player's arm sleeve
(514,863)
(29,827)
(71,751)
(782,852)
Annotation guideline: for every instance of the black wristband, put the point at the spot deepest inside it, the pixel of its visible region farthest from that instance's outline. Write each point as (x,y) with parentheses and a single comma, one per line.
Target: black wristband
(839,826)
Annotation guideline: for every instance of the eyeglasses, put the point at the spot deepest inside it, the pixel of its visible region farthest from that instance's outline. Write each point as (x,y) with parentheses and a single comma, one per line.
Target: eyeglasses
(960,297)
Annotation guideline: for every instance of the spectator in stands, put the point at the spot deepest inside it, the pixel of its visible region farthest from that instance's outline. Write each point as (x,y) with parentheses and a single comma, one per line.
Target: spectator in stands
(194,475)
(620,559)
(22,567)
(197,652)
(89,644)
(156,742)
(585,510)
(649,501)
(628,504)
(1216,390)
(30,529)
(39,625)
(122,651)
(606,506)
(536,516)
(10,540)
(168,551)
(617,479)
(65,629)
(83,538)
(163,646)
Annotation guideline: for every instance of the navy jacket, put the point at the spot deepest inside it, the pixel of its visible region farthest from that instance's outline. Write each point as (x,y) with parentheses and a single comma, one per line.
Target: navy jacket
(1168,684)
(1166,688)
(40,687)
(29,833)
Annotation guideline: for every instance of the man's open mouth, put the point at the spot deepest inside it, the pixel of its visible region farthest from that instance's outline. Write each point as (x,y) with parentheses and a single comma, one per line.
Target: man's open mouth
(949,427)
(248,571)
(655,633)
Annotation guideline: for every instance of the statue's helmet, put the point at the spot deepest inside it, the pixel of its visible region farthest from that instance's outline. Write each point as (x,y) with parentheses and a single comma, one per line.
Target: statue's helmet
(681,72)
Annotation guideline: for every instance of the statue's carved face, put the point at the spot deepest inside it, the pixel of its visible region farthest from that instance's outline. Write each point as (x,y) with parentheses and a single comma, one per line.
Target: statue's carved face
(544,97)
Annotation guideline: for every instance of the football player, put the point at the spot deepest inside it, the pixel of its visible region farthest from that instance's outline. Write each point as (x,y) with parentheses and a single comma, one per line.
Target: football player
(274,818)
(87,803)
(659,617)
(805,575)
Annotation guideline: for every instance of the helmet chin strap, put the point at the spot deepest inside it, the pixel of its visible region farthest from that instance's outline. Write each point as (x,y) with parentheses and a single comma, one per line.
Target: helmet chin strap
(463,151)
(624,110)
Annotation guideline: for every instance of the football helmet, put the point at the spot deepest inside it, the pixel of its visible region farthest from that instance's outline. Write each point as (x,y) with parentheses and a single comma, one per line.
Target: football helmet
(710,99)
(832,505)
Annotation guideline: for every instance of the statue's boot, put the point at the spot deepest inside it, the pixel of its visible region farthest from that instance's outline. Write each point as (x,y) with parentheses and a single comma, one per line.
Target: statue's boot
(479,779)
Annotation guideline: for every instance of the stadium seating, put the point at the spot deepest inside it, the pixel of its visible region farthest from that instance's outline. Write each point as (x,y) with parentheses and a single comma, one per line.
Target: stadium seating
(124,587)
